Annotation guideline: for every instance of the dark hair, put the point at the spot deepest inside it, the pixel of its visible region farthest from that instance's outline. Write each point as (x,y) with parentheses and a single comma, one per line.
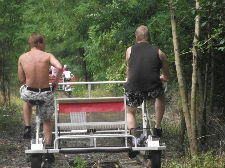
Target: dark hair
(34,39)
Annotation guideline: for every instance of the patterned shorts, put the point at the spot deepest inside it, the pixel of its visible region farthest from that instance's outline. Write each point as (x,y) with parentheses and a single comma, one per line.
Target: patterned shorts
(135,98)
(43,100)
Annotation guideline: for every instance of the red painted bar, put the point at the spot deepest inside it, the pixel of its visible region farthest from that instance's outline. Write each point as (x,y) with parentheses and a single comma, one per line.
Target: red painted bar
(51,80)
(91,107)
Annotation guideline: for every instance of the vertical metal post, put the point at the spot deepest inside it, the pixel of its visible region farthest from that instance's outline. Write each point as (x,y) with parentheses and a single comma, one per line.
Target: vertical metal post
(56,126)
(148,119)
(92,141)
(37,128)
(125,118)
(89,90)
(144,115)
(63,86)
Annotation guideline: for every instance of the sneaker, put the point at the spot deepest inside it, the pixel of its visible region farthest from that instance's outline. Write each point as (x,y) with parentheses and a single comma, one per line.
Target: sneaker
(27,132)
(157,132)
(140,141)
(137,141)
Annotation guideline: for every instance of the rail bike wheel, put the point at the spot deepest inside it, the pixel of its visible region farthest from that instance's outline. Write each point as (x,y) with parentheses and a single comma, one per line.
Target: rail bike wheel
(156,158)
(36,160)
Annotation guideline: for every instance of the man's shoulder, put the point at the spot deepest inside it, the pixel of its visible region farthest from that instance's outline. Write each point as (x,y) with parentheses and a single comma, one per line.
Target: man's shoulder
(23,55)
(42,55)
(129,48)
(45,55)
(154,47)
(48,54)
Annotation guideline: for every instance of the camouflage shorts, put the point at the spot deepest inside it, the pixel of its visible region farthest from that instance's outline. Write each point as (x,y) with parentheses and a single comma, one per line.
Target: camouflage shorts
(135,98)
(43,100)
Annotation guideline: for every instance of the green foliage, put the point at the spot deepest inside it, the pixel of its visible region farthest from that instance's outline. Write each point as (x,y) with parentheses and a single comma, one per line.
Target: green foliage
(105,55)
(79,163)
(160,33)
(10,116)
(105,29)
(10,22)
(206,160)
(103,90)
(80,91)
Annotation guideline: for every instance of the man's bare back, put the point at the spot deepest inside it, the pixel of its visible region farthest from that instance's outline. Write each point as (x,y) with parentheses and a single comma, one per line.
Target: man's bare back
(35,66)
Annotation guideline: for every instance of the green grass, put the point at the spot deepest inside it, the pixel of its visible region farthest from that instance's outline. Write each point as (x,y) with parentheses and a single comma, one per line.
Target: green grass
(10,116)
(78,163)
(103,90)
(205,160)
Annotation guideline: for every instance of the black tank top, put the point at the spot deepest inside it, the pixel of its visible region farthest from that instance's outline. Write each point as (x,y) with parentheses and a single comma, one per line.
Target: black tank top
(144,68)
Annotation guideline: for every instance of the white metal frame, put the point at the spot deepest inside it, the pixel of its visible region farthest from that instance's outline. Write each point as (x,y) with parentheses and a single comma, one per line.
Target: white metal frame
(100,134)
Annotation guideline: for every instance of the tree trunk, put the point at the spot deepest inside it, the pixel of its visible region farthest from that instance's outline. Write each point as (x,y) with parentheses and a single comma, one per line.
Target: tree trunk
(183,128)
(4,74)
(87,75)
(201,86)
(203,130)
(180,76)
(3,88)
(212,82)
(205,96)
(194,79)
(201,95)
(182,87)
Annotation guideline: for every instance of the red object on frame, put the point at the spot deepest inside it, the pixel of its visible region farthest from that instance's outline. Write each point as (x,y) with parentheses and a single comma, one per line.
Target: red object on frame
(51,80)
(91,107)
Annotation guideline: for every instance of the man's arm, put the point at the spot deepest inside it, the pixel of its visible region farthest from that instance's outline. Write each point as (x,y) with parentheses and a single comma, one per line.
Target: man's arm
(165,67)
(127,58)
(54,62)
(21,74)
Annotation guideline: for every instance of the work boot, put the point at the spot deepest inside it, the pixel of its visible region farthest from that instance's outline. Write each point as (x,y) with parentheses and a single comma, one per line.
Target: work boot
(27,132)
(157,132)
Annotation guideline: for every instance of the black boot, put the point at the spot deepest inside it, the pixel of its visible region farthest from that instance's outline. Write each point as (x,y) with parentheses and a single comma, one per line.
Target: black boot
(27,132)
(157,132)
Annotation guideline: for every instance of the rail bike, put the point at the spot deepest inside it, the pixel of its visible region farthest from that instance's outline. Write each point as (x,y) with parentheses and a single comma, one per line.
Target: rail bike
(95,124)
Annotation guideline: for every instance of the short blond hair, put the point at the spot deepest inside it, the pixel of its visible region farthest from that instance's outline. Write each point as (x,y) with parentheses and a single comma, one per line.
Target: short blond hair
(34,39)
(142,33)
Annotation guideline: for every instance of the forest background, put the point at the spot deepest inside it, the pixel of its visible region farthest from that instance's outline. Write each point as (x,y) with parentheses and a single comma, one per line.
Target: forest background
(91,37)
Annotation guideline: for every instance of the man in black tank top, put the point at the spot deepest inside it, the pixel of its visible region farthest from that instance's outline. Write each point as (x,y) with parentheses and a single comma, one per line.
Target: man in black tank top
(144,63)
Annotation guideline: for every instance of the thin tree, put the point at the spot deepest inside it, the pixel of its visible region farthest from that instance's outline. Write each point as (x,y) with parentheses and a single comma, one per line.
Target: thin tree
(189,113)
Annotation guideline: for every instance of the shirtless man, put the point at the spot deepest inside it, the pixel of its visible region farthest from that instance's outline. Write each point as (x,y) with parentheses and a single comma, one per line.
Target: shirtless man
(143,78)
(33,70)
